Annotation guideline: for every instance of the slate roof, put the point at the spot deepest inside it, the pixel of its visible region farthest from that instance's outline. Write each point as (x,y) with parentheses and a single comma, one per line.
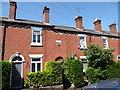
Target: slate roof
(87,31)
(22,21)
(58,27)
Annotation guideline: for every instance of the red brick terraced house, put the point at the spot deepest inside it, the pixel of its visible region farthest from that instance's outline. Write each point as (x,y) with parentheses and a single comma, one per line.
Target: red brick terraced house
(29,44)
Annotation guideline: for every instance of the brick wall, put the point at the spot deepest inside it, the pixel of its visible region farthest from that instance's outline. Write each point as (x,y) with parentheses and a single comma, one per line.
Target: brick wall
(113,43)
(19,40)
(1,40)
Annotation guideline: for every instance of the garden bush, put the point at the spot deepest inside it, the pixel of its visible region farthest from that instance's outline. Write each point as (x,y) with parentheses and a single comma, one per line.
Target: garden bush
(52,75)
(95,75)
(114,71)
(100,63)
(55,71)
(6,69)
(73,70)
(98,57)
(36,79)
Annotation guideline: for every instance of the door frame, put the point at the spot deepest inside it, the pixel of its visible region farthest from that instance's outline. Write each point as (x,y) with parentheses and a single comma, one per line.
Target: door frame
(23,60)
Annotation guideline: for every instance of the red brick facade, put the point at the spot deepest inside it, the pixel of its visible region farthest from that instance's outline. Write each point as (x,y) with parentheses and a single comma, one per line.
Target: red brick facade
(19,40)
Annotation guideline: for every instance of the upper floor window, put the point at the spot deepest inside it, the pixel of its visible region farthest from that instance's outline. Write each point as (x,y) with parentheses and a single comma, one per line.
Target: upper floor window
(36,37)
(82,41)
(105,42)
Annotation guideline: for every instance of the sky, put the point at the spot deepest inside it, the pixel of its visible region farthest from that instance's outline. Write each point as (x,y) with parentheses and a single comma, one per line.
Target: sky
(64,13)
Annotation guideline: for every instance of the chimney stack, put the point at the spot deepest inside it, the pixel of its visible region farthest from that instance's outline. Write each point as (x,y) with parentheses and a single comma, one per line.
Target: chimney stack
(46,14)
(78,21)
(97,25)
(113,28)
(13,7)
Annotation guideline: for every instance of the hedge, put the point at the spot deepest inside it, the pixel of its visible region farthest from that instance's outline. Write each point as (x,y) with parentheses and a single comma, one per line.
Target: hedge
(95,75)
(52,75)
(114,71)
(55,71)
(73,70)
(6,69)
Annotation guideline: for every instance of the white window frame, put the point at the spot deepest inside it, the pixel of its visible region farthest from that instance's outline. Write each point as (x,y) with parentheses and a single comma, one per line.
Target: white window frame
(14,55)
(36,43)
(35,56)
(106,42)
(117,58)
(82,35)
(83,57)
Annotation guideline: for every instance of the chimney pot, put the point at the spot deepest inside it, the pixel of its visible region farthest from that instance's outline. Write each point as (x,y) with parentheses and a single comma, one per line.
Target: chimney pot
(13,7)
(79,23)
(46,14)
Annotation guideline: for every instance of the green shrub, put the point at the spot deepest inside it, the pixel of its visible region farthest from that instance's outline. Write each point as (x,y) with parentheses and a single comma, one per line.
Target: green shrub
(73,70)
(53,66)
(95,75)
(55,72)
(6,69)
(98,57)
(100,63)
(114,71)
(52,75)
(36,79)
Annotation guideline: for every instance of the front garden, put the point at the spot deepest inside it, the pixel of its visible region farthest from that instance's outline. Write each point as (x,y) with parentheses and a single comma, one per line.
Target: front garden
(70,72)
(56,73)
(100,64)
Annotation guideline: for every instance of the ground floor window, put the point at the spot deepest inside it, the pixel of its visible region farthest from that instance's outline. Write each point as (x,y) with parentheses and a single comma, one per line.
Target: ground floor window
(84,61)
(36,63)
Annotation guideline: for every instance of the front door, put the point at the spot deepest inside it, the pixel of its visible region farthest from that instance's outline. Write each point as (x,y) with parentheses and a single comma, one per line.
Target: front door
(16,72)
(16,79)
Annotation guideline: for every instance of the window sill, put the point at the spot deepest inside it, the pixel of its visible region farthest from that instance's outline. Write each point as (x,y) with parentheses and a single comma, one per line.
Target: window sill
(36,44)
(82,48)
(106,48)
